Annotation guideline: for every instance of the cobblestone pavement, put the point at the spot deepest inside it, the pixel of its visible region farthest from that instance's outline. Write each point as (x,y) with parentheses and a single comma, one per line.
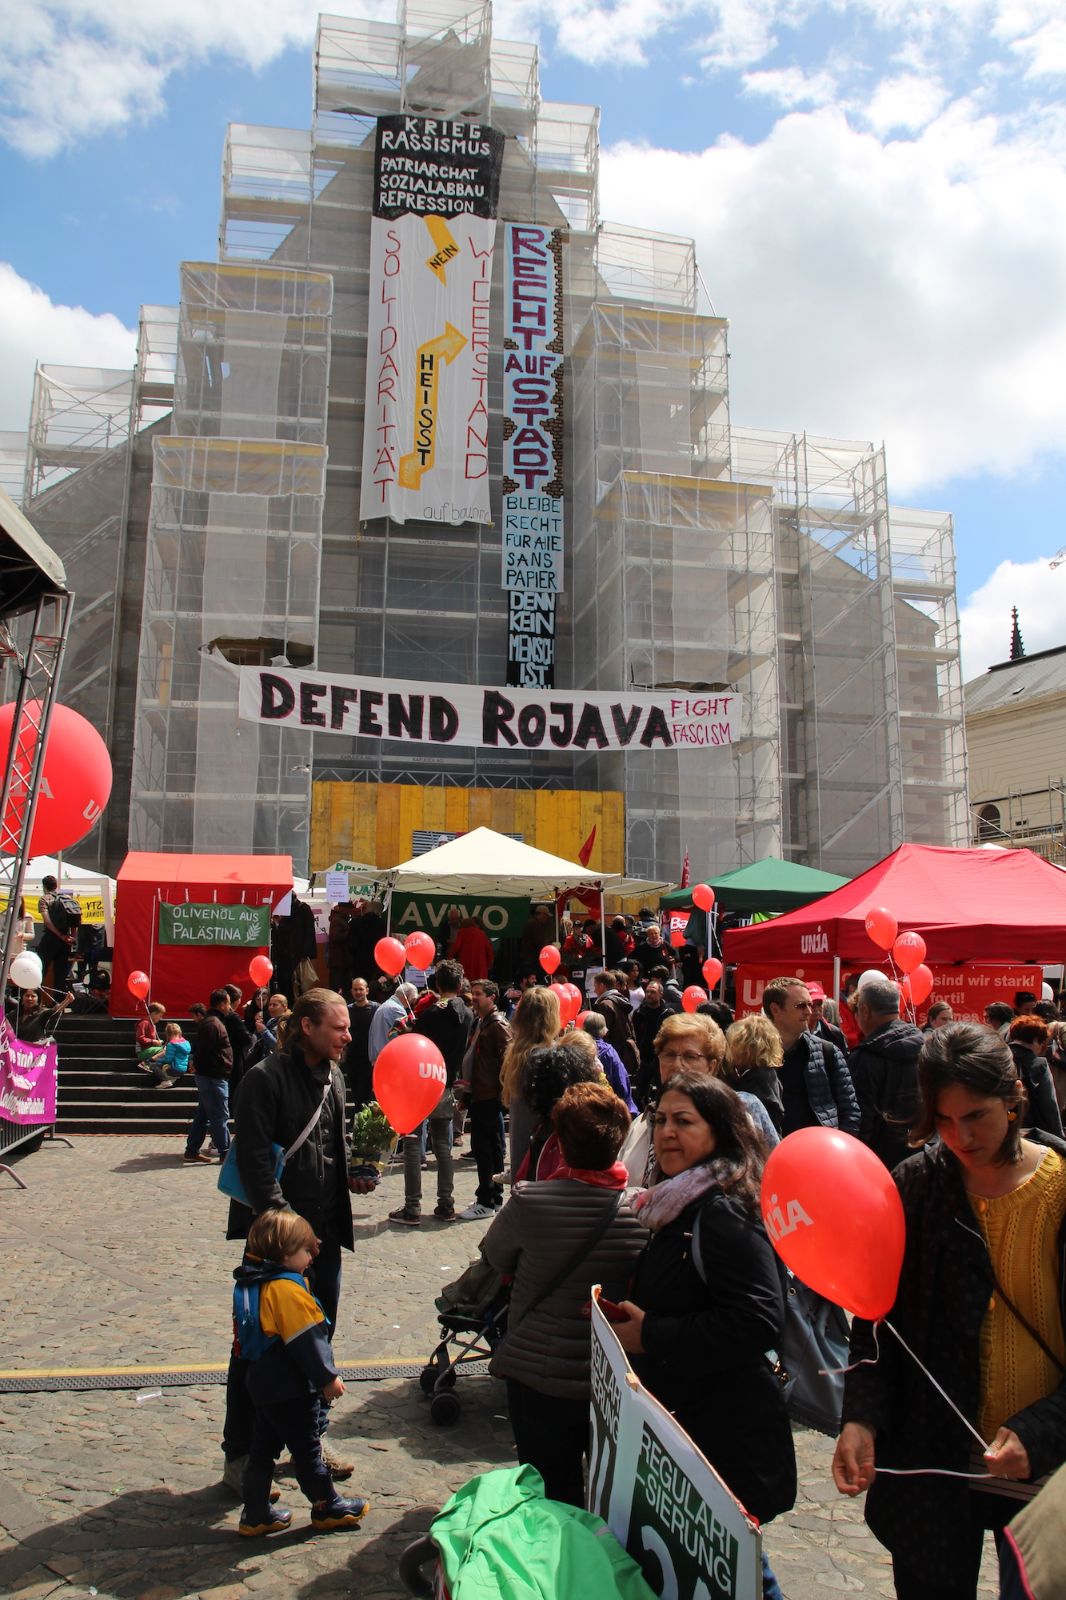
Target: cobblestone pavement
(114,1256)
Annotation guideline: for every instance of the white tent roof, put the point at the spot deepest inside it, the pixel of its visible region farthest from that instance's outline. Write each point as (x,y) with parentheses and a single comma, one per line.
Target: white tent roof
(485,862)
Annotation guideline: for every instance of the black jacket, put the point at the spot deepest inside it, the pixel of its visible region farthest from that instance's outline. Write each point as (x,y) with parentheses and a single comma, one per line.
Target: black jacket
(449,1026)
(706,1344)
(212,1053)
(276,1099)
(943,1294)
(1039,1086)
(884,1070)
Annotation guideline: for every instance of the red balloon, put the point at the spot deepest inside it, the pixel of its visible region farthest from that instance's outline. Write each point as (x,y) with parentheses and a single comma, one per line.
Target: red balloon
(677,937)
(550,958)
(561,992)
(420,950)
(75,779)
(835,1217)
(577,1000)
(579,1020)
(391,957)
(917,986)
(693,997)
(908,951)
(409,1079)
(882,927)
(703,896)
(139,984)
(260,970)
(712,971)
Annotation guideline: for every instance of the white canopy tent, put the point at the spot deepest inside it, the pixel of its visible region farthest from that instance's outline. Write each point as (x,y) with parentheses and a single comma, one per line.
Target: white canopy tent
(483,862)
(82,882)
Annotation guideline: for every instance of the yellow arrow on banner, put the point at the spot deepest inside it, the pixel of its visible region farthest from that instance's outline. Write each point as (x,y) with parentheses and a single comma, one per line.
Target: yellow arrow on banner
(445,248)
(445,347)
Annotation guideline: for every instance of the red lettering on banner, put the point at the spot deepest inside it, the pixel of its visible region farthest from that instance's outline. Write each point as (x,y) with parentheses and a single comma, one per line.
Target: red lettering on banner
(387,374)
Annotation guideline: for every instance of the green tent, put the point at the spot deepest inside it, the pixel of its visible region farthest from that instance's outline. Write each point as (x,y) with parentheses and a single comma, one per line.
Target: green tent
(769,885)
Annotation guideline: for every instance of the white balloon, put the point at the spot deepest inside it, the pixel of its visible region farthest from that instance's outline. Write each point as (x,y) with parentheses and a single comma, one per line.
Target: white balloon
(26,970)
(871,975)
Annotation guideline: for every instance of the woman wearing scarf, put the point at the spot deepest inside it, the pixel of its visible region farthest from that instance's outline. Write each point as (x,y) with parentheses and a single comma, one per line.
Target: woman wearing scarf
(557,1238)
(707,1301)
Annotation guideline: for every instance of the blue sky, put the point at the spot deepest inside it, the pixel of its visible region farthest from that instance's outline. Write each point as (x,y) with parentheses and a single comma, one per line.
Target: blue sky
(878,196)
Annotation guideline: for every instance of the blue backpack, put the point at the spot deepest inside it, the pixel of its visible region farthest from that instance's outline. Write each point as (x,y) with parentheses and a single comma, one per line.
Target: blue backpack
(248,1337)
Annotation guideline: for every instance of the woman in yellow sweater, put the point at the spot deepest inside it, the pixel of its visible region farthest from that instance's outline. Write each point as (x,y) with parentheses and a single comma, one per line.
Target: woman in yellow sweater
(982,1303)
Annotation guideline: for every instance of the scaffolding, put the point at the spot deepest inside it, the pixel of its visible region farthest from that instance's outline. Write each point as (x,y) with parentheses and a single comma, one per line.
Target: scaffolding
(233,559)
(206,506)
(13,447)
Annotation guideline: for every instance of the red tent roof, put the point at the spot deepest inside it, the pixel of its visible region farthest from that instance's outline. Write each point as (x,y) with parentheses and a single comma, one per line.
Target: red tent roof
(968,905)
(164,868)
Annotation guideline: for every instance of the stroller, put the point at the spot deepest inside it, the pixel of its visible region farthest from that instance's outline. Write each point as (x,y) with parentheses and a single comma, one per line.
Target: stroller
(473,1320)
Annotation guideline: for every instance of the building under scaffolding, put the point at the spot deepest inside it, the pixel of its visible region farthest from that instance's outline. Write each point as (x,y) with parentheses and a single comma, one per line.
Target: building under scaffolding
(206,505)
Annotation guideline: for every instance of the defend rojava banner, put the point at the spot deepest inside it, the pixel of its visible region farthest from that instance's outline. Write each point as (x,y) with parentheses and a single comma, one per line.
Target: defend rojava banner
(488,719)
(27,1080)
(432,240)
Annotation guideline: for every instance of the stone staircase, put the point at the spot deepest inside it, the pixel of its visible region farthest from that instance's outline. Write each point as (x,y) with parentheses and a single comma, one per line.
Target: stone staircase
(103,1090)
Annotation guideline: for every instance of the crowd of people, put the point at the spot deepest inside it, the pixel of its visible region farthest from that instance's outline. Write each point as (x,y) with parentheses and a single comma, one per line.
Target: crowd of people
(626,1148)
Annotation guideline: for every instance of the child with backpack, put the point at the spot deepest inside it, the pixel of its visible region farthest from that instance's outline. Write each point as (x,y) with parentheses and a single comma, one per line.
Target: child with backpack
(280,1330)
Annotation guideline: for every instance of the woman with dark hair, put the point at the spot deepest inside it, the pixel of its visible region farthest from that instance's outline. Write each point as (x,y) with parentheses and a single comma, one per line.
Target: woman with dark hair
(550,1071)
(1028,1037)
(558,1238)
(981,1302)
(708,1295)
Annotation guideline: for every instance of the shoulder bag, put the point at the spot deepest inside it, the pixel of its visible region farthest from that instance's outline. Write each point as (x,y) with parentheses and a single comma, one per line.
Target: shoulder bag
(813,1351)
(229,1178)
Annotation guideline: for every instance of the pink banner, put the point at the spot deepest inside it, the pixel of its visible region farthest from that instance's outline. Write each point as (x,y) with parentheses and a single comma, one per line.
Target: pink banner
(27,1080)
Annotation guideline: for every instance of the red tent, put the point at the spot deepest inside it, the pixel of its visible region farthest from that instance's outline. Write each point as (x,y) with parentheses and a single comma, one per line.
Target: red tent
(183,973)
(968,905)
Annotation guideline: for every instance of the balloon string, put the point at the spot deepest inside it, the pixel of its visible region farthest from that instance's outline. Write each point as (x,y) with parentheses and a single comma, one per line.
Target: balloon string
(940,1390)
(940,1472)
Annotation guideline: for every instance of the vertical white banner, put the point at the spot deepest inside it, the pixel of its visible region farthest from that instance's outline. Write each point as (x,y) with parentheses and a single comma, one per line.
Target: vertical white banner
(432,241)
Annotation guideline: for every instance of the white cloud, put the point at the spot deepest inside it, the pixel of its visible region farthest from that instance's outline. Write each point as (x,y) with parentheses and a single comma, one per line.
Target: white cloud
(33,328)
(1045,50)
(909,101)
(74,69)
(791,86)
(985,617)
(909,291)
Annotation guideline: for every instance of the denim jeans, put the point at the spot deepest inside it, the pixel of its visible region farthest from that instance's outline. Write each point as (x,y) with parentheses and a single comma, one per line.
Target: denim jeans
(212,1111)
(440,1142)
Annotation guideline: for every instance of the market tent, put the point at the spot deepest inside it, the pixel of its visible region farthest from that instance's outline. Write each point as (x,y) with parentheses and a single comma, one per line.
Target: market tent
(183,973)
(486,862)
(768,885)
(968,905)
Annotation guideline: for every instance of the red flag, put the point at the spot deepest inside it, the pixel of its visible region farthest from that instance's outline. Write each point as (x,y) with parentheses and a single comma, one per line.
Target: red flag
(584,855)
(684,873)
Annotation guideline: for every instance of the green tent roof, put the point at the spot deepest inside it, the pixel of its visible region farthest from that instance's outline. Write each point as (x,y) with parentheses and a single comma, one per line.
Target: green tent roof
(769,885)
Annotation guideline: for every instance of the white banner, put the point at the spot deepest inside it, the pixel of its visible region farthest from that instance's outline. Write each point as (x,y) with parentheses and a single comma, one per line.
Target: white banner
(533,409)
(658,1495)
(463,714)
(432,239)
(426,438)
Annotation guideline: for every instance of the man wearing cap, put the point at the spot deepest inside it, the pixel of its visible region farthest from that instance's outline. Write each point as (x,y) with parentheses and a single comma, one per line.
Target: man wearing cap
(819,1026)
